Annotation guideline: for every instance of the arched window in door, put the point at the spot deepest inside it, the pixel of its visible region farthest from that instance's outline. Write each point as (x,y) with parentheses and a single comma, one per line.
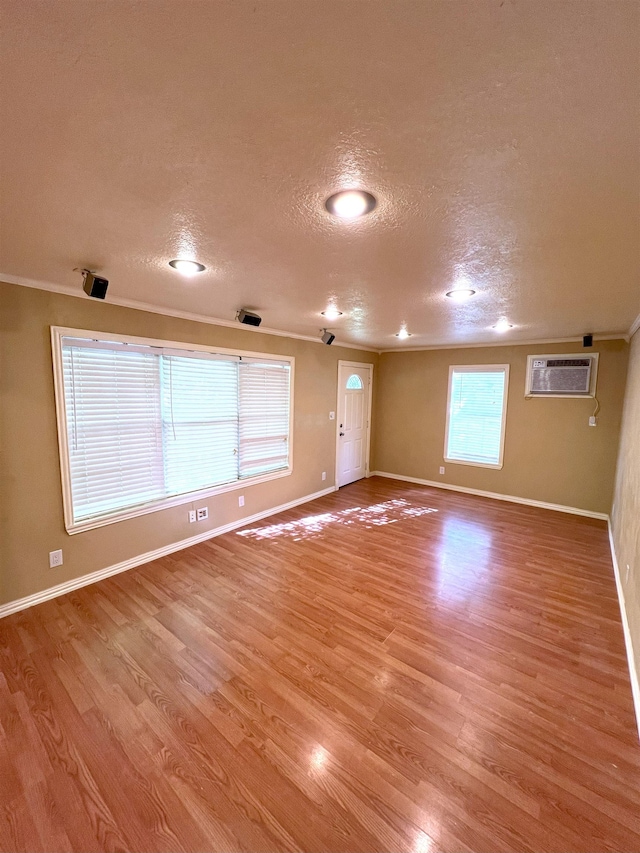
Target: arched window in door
(354,383)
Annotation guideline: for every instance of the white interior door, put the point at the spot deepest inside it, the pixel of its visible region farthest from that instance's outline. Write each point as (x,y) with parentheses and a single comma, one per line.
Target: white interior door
(354,414)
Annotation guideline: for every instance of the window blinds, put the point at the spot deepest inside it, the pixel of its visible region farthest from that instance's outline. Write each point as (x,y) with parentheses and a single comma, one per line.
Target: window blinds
(264,417)
(113,428)
(199,423)
(476,403)
(146,423)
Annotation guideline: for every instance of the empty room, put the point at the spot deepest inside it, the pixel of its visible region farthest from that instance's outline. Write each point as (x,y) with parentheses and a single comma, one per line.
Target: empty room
(320,426)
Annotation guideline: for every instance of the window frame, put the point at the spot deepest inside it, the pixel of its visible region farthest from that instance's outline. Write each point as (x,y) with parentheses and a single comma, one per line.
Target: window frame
(71,526)
(478,368)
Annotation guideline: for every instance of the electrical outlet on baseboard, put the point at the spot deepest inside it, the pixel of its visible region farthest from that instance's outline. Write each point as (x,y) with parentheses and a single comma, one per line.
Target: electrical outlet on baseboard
(192,516)
(324,475)
(241,500)
(442,469)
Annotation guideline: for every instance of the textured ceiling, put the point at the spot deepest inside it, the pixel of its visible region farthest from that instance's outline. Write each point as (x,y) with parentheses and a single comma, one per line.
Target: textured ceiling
(500,138)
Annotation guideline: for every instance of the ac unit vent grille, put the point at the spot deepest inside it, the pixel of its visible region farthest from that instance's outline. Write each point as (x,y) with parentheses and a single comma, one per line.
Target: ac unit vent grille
(568,362)
(561,376)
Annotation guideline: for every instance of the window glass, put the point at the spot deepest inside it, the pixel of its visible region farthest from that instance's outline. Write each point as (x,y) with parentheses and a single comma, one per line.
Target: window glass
(145,423)
(476,415)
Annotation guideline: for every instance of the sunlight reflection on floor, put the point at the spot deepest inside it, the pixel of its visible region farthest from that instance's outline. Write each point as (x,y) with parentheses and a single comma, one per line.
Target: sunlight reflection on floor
(388,512)
(464,556)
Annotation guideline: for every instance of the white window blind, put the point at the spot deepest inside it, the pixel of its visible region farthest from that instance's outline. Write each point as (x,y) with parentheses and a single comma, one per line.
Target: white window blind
(476,415)
(113,425)
(264,417)
(199,422)
(145,423)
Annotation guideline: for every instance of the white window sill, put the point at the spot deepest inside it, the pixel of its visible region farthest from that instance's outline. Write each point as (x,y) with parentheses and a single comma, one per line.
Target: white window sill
(176,500)
(496,466)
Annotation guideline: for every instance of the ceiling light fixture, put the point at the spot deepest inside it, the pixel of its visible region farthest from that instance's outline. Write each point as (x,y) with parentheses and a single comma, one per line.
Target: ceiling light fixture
(503,326)
(350,204)
(188,268)
(331,313)
(402,334)
(461,294)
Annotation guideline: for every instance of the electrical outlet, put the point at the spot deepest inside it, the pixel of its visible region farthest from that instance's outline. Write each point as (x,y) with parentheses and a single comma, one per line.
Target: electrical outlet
(55,558)
(593,421)
(202,513)
(192,516)
(332,416)
(324,475)
(442,469)
(241,500)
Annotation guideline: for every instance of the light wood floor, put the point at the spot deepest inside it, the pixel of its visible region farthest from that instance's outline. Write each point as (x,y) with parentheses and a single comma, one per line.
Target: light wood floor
(389,668)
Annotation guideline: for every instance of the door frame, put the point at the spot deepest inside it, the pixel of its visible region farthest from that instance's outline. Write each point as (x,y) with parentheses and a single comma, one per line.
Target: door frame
(369,367)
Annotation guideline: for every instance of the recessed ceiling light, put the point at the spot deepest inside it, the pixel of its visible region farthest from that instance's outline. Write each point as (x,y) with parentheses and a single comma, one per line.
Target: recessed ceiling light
(503,326)
(461,294)
(187,268)
(331,313)
(402,334)
(350,204)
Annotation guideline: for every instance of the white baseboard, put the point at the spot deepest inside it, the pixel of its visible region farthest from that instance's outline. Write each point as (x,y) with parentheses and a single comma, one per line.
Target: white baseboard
(101,574)
(633,672)
(573,510)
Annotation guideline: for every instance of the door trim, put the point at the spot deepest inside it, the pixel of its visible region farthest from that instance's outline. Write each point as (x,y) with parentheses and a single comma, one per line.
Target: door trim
(367,461)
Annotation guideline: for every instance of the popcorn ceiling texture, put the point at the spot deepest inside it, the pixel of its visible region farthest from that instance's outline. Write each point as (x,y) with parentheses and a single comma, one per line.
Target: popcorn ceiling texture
(500,138)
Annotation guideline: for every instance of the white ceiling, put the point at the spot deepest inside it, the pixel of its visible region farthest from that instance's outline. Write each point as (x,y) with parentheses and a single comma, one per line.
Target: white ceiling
(500,137)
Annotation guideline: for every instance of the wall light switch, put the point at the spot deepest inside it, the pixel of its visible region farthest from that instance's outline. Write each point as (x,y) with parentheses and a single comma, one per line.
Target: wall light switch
(442,469)
(241,500)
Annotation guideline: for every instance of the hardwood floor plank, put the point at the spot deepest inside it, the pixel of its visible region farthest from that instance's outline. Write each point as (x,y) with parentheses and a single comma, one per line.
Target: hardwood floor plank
(390,668)
(44,814)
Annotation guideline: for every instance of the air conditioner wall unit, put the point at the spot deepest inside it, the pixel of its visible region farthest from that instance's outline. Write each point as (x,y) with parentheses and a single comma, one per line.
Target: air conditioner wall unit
(561,375)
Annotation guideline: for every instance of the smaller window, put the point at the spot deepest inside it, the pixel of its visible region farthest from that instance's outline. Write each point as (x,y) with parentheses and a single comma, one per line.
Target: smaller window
(354,383)
(476,414)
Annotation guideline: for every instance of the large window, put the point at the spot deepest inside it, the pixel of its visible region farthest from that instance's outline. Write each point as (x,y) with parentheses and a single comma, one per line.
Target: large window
(476,414)
(144,424)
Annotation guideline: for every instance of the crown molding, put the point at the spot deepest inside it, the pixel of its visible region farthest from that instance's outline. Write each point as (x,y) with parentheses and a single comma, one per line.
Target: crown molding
(68,290)
(619,336)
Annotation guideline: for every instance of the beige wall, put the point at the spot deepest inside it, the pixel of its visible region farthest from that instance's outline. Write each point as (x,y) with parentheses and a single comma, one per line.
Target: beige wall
(625,517)
(551,454)
(31,520)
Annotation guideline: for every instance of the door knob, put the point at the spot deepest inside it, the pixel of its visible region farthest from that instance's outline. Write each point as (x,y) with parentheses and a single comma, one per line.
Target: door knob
(341,433)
